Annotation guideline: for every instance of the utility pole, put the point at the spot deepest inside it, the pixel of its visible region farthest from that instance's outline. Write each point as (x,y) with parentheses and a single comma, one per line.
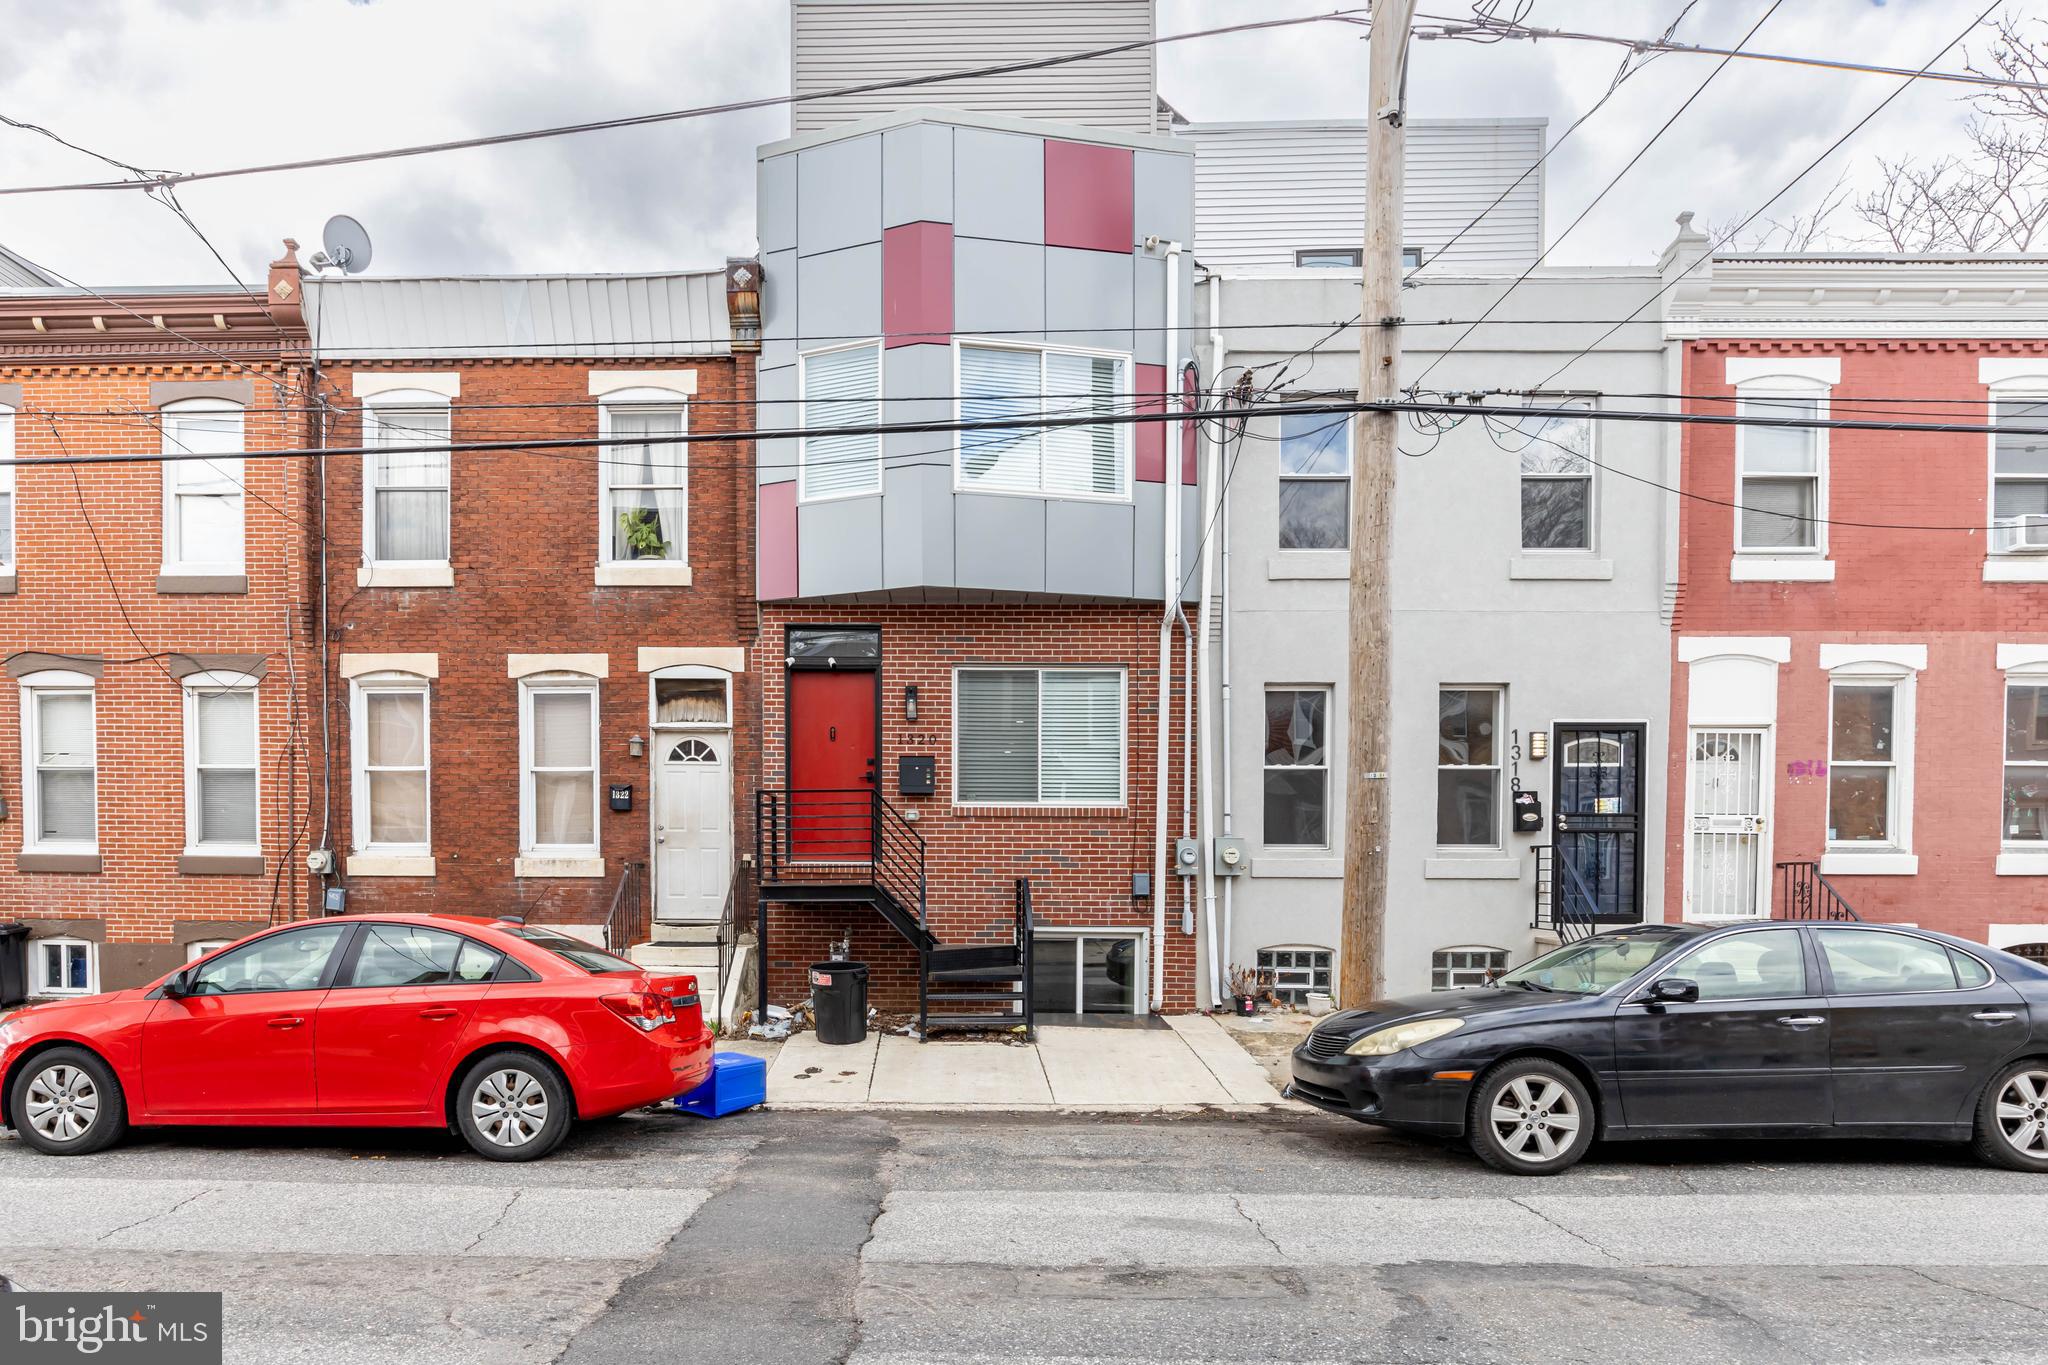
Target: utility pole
(1362,944)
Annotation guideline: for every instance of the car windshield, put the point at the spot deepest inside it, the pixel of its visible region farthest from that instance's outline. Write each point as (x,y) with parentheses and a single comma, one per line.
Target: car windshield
(1592,965)
(584,955)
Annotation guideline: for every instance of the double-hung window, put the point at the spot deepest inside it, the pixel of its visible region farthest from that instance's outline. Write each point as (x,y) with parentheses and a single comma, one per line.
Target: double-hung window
(1005,382)
(60,749)
(558,765)
(203,501)
(220,765)
(1038,737)
(1555,454)
(389,744)
(2025,823)
(6,489)
(1863,768)
(841,387)
(1315,481)
(646,479)
(1297,768)
(1468,767)
(1781,478)
(2019,476)
(405,505)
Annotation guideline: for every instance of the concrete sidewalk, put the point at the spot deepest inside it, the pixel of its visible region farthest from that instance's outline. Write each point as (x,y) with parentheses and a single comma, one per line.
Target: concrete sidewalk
(1192,1063)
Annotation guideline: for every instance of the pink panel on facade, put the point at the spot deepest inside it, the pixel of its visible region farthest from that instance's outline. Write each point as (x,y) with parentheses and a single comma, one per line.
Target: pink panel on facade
(1190,387)
(777,540)
(917,284)
(1149,438)
(1088,197)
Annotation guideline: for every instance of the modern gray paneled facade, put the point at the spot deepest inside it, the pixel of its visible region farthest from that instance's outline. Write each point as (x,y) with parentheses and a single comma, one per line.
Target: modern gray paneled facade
(1492,641)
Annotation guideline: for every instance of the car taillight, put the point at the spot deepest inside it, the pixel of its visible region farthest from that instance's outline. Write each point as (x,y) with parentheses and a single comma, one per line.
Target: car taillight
(642,1009)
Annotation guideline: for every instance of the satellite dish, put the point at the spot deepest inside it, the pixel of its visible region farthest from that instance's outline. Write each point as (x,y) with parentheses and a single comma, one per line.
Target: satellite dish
(344,243)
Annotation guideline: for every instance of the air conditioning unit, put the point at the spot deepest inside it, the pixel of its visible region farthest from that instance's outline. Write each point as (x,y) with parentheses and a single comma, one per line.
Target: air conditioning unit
(2022,535)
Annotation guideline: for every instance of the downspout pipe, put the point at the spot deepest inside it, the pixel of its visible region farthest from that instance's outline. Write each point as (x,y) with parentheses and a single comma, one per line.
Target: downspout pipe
(1205,726)
(1170,607)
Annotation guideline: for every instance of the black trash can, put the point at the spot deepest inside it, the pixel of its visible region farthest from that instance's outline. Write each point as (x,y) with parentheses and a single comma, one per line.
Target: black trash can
(13,964)
(839,1001)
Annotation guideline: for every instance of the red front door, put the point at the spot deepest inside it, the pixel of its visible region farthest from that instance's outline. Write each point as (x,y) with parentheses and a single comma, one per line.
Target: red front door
(832,761)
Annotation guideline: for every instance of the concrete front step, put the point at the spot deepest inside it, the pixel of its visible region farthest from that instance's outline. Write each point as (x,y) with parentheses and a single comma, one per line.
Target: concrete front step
(674,957)
(672,934)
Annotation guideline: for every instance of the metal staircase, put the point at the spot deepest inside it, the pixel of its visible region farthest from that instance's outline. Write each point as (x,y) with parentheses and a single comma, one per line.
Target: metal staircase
(833,847)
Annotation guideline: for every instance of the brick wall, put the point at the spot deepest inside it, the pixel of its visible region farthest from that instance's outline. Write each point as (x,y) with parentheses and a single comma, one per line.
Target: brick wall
(1080,862)
(523,544)
(1892,585)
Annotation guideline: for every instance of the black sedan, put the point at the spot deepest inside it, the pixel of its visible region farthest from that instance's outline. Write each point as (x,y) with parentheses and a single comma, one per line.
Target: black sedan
(1683,1030)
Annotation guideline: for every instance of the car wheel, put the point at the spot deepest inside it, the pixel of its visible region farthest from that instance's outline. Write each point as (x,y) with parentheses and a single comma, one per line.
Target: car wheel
(2012,1118)
(512,1106)
(66,1102)
(1528,1116)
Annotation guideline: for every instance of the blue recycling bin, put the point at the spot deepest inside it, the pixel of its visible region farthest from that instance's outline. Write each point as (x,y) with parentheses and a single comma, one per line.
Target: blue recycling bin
(736,1082)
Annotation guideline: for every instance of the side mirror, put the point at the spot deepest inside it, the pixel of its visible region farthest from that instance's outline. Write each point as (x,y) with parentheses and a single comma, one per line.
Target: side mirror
(179,984)
(1673,990)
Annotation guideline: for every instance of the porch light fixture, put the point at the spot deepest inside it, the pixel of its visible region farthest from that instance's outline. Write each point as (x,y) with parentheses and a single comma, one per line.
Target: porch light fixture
(1539,745)
(636,746)
(910,703)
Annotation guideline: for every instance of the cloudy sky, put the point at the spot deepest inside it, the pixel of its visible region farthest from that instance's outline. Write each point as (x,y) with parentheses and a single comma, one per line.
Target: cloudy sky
(195,84)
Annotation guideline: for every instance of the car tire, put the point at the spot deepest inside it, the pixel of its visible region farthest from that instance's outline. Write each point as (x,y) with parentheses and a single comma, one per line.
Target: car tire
(66,1102)
(512,1106)
(2012,1118)
(1529,1116)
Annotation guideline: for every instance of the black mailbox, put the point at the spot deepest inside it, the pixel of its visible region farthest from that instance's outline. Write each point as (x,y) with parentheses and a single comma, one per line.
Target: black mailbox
(917,775)
(1528,813)
(619,795)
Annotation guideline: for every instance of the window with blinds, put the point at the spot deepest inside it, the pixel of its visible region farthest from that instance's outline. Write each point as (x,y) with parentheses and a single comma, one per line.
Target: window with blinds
(220,775)
(560,781)
(841,388)
(1038,737)
(64,791)
(1086,461)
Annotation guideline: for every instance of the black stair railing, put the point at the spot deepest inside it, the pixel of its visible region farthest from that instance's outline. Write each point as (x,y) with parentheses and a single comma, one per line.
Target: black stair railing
(1802,893)
(1024,954)
(829,837)
(1565,905)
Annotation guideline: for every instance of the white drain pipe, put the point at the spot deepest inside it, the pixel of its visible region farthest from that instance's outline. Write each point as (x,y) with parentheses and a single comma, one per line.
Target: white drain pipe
(1205,725)
(1169,608)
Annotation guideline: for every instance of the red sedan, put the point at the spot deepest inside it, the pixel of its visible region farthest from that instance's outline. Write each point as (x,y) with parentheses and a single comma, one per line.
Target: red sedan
(503,1032)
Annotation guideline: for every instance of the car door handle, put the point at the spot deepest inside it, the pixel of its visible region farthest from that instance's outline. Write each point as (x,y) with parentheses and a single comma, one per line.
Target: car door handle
(440,1012)
(287,1021)
(1995,1016)
(1801,1020)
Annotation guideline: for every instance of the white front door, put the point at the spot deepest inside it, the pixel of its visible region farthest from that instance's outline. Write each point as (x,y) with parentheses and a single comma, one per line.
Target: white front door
(1727,852)
(692,826)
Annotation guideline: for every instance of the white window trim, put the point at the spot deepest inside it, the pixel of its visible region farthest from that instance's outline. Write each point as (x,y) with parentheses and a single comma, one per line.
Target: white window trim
(200,947)
(1877,665)
(1123,773)
(12,487)
(57,682)
(803,443)
(1783,563)
(1329,695)
(1578,553)
(402,573)
(625,572)
(196,684)
(532,851)
(399,855)
(175,562)
(40,984)
(2008,379)
(1126,444)
(1436,953)
(1338,563)
(1141,958)
(1498,767)
(2024,665)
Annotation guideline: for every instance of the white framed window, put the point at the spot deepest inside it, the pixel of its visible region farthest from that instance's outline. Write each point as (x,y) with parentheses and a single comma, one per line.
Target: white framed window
(1781,473)
(2019,471)
(1297,768)
(60,796)
(221,783)
(1004,380)
(840,386)
(203,499)
(1329,258)
(6,488)
(1457,969)
(2025,797)
(1468,753)
(558,793)
(1294,972)
(1088,971)
(1864,777)
(405,492)
(64,966)
(390,752)
(644,507)
(1554,455)
(1315,481)
(1038,737)
(200,947)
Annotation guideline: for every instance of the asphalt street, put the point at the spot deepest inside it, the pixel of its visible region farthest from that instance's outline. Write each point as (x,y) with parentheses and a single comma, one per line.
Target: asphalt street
(797,1237)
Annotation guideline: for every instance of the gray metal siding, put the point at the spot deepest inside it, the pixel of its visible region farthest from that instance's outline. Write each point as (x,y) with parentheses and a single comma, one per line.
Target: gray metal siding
(1266,190)
(17,273)
(520,315)
(839,43)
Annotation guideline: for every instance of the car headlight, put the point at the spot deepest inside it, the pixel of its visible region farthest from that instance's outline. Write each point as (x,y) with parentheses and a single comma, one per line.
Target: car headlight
(1387,1041)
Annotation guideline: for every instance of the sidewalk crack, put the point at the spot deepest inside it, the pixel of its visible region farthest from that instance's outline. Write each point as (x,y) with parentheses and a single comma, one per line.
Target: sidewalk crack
(495,1223)
(1572,1233)
(1974,1292)
(151,1218)
(1237,1202)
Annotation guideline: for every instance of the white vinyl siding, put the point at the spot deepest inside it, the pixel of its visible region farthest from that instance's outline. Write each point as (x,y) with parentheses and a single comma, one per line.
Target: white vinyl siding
(839,43)
(558,765)
(1005,382)
(841,388)
(1264,191)
(405,511)
(1038,737)
(203,499)
(220,768)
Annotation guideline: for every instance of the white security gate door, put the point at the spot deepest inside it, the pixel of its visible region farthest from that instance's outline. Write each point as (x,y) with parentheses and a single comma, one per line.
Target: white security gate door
(1724,854)
(693,827)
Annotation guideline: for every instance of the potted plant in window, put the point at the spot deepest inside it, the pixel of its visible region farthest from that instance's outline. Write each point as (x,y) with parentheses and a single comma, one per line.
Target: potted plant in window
(641,529)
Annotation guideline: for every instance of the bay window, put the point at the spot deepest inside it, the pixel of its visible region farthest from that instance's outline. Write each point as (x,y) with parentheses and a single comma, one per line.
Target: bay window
(558,766)
(1000,381)
(646,485)
(841,387)
(203,499)
(1038,737)
(1468,767)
